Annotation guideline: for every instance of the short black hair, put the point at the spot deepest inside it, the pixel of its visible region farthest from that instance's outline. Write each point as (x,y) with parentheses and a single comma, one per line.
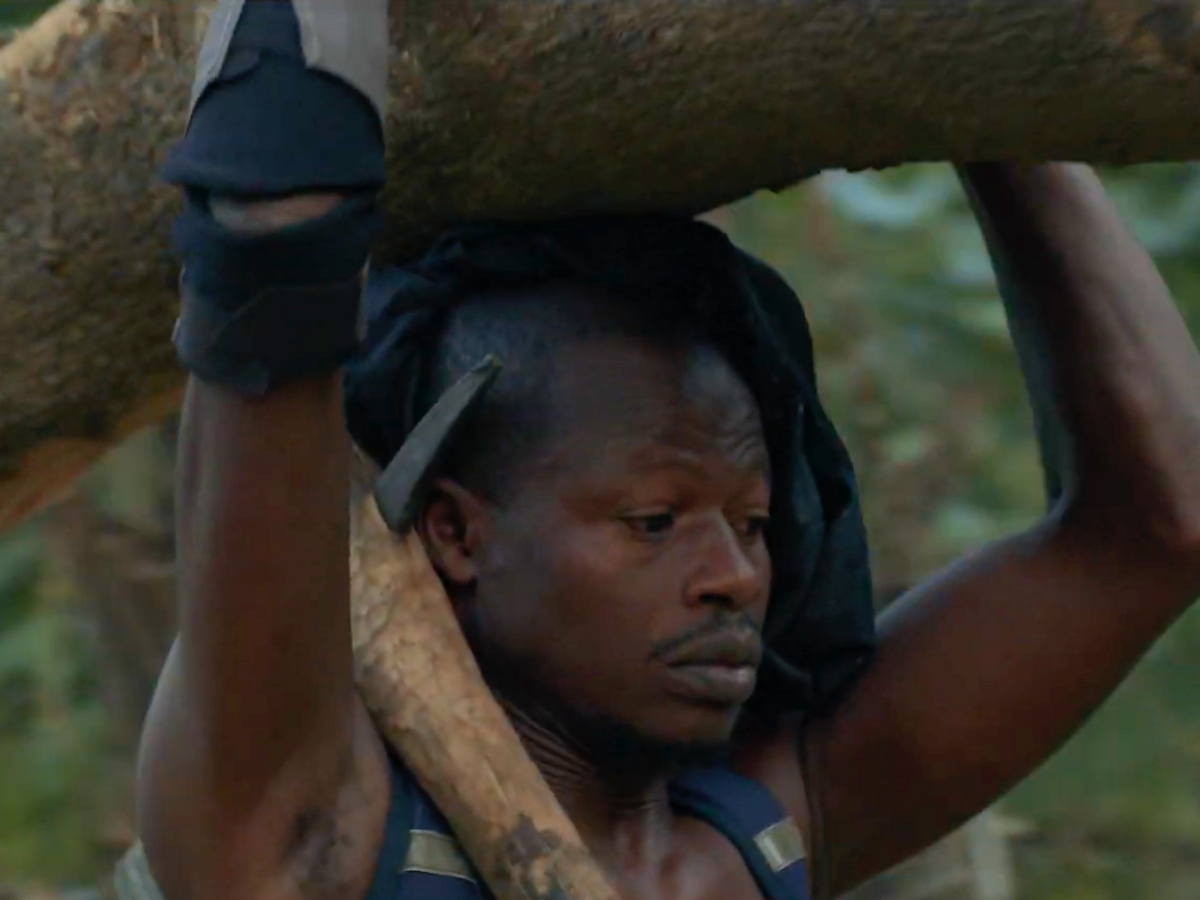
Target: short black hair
(525,327)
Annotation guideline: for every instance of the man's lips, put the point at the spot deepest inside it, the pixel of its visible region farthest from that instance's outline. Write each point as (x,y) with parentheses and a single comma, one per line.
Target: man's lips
(720,669)
(730,647)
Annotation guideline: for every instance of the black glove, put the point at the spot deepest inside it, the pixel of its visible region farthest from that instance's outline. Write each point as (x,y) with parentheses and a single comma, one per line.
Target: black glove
(261,307)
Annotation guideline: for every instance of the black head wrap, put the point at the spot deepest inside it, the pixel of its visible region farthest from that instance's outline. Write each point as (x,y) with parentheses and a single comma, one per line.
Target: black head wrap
(820,622)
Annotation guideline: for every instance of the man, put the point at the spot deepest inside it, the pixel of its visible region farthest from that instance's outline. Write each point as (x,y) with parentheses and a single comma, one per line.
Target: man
(647,506)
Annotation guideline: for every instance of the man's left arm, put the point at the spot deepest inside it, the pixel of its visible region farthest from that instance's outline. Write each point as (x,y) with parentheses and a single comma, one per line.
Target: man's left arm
(985,670)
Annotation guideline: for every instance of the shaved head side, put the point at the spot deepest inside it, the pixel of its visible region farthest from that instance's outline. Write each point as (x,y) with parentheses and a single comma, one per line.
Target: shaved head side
(524,412)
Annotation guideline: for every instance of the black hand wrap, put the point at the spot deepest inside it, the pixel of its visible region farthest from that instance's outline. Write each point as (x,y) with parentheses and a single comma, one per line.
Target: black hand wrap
(260,309)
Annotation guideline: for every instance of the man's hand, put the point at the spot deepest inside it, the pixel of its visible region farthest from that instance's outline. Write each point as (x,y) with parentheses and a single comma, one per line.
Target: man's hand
(983,671)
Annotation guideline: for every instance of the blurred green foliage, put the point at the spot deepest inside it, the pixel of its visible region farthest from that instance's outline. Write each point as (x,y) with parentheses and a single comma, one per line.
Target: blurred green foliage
(51,725)
(14,13)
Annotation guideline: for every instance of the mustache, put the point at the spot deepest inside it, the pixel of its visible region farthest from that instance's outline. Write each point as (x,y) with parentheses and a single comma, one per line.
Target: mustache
(719,624)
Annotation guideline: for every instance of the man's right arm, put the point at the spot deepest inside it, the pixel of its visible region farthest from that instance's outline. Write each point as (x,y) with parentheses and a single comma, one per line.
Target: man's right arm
(260,775)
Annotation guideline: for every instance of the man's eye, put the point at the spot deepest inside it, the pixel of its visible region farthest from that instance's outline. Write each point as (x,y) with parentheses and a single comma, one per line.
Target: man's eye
(653,525)
(755,526)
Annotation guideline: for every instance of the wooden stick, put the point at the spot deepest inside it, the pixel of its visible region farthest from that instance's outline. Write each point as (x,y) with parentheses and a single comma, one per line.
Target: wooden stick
(422,685)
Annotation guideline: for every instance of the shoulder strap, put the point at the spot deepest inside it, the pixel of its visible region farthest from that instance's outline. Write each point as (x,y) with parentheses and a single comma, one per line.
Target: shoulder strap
(434,866)
(396,832)
(754,822)
(420,858)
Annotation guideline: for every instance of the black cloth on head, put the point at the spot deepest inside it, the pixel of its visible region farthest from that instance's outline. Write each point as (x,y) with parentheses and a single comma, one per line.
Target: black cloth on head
(820,628)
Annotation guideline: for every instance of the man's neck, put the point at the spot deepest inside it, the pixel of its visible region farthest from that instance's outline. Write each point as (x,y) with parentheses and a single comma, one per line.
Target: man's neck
(620,806)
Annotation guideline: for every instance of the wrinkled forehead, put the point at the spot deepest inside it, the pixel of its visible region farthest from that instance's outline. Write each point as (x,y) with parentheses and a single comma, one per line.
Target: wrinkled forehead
(633,396)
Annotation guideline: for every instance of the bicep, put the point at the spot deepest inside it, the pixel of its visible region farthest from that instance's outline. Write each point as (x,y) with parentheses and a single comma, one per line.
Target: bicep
(980,674)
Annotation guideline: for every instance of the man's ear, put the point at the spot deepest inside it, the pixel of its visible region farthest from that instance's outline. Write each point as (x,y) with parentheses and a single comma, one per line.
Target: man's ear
(452,524)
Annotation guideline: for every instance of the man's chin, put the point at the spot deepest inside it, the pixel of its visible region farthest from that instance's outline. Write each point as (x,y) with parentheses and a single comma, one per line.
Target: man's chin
(625,746)
(677,736)
(631,749)
(631,746)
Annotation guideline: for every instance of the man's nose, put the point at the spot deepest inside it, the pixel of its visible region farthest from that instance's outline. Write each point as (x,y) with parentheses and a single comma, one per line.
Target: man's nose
(724,573)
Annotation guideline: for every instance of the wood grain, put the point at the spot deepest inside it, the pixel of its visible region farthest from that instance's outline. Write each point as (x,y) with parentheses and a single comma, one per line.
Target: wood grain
(515,109)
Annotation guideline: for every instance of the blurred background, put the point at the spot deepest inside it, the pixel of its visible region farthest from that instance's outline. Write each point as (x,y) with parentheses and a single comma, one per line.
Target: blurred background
(917,370)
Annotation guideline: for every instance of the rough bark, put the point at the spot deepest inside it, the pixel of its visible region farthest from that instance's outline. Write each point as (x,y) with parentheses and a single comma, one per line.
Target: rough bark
(522,108)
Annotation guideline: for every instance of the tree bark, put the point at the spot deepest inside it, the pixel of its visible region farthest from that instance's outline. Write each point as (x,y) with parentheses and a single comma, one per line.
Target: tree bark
(519,109)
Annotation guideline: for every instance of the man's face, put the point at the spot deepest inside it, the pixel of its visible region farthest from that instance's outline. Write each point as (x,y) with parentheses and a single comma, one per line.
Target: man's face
(627,581)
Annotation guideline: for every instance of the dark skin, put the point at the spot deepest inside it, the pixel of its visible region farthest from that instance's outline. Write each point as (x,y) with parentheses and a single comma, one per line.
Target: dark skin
(656,499)
(262,778)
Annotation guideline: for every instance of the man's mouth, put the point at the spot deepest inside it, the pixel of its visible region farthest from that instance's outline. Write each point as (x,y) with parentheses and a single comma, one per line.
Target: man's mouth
(719,669)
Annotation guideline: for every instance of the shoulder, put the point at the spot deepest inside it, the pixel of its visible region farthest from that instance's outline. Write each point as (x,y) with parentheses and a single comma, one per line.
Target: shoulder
(772,754)
(753,819)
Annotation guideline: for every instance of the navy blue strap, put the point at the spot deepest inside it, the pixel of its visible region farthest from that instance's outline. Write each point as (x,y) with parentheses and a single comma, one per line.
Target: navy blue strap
(752,819)
(387,881)
(738,807)
(417,881)
(419,850)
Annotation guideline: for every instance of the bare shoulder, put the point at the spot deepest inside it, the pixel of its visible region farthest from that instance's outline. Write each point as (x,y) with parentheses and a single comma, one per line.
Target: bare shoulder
(772,754)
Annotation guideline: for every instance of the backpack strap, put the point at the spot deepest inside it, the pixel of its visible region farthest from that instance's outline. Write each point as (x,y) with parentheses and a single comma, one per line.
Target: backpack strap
(397,828)
(750,817)
(420,859)
(435,867)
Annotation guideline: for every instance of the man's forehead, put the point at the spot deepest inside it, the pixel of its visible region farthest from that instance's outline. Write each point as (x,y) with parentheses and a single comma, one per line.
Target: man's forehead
(655,404)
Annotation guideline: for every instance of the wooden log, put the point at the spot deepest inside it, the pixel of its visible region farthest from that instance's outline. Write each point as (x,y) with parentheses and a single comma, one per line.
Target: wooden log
(519,109)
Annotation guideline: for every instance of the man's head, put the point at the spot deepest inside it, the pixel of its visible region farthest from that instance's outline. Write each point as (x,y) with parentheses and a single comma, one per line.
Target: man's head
(664,286)
(600,522)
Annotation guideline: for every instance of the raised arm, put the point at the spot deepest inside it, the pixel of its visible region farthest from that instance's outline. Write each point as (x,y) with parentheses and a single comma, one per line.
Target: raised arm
(260,776)
(982,672)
